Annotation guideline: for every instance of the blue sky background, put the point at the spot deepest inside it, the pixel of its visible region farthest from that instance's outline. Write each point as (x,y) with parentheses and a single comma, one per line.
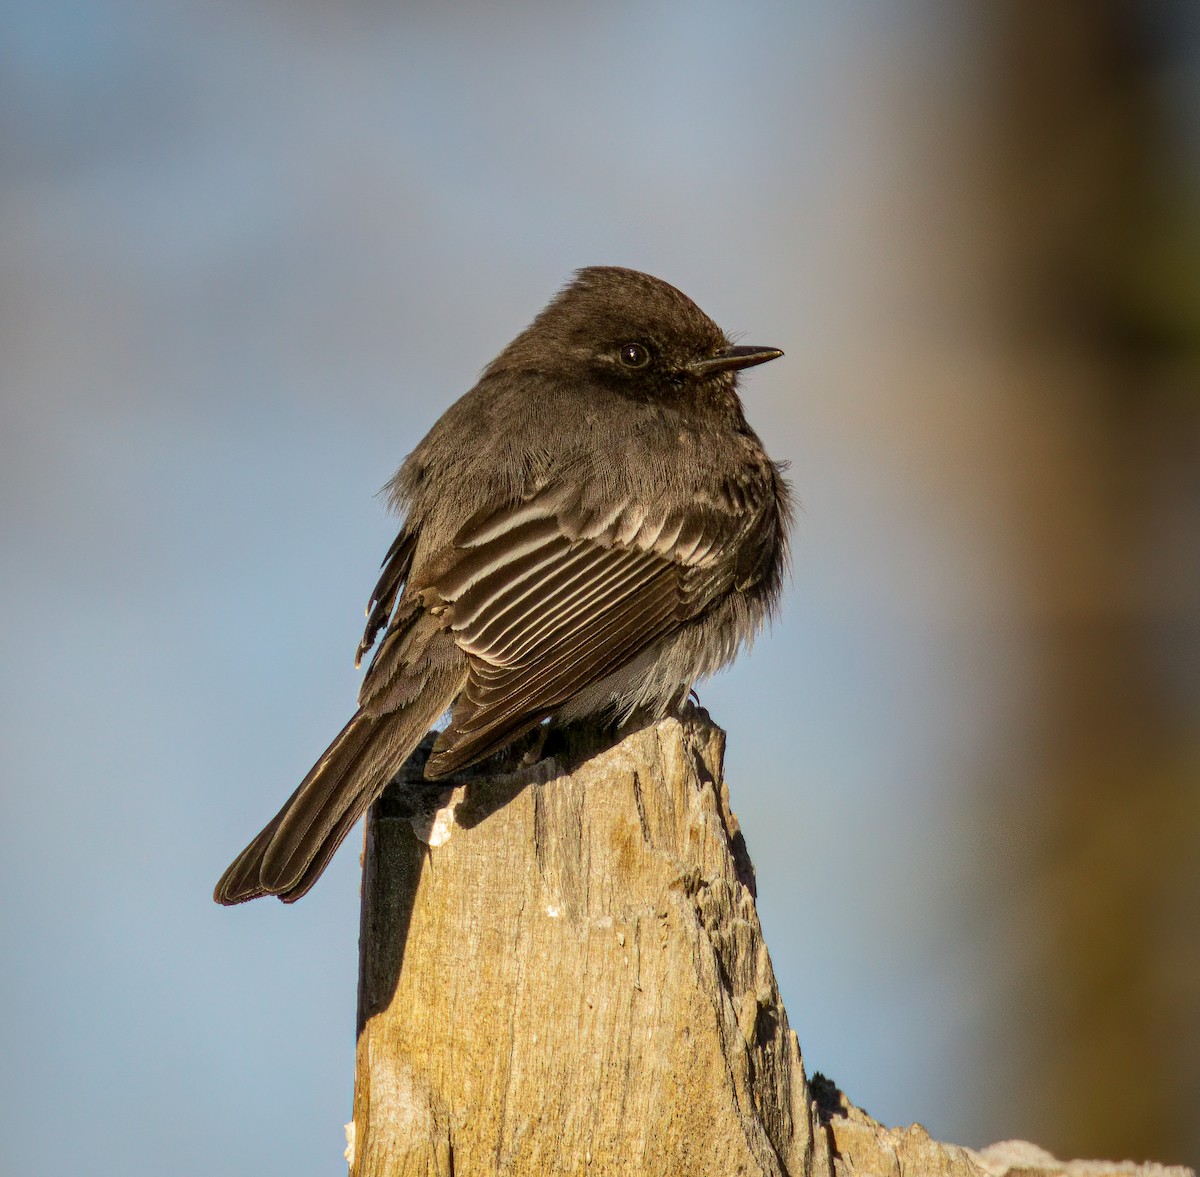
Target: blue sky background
(250,251)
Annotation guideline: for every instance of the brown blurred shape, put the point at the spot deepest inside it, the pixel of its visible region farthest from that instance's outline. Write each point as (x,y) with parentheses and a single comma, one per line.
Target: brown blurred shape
(1097,276)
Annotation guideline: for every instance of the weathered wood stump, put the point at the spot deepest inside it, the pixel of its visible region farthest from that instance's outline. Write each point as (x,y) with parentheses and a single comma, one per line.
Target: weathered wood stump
(562,971)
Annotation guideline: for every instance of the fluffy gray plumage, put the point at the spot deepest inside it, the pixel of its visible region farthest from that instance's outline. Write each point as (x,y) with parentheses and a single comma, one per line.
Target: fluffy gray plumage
(589,530)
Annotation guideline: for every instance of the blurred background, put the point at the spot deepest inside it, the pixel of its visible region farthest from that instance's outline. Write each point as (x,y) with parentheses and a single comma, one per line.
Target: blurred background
(248,253)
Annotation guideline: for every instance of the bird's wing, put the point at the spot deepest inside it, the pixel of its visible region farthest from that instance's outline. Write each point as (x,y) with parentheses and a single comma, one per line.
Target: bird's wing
(396,565)
(549,597)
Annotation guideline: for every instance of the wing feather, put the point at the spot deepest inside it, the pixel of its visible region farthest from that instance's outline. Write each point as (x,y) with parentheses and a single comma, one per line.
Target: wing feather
(396,565)
(539,630)
(490,714)
(548,597)
(551,595)
(512,622)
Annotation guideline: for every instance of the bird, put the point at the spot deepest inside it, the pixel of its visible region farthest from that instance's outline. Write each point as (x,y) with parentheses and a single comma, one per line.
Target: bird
(587,532)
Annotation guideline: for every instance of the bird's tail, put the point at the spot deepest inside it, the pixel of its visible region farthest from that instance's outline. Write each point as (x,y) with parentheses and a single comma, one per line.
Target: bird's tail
(287,858)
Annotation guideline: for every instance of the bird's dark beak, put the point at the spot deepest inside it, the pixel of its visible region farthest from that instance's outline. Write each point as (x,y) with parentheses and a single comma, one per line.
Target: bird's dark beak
(733,359)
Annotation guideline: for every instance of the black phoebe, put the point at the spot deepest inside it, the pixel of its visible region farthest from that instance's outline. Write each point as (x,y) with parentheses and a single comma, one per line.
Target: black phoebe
(590,529)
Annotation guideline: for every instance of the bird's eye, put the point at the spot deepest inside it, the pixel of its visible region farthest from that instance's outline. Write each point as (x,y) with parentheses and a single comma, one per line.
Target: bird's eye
(634,355)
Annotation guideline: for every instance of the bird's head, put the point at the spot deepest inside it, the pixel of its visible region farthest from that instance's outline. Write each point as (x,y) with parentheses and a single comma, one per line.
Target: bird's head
(632,333)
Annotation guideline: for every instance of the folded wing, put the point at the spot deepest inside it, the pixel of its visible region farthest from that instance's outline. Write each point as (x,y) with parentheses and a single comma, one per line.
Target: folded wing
(547,598)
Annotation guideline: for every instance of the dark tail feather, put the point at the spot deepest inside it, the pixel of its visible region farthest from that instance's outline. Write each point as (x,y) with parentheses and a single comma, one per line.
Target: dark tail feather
(287,858)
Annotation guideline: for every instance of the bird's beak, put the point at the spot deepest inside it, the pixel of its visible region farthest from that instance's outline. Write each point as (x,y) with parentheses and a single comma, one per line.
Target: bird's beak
(733,359)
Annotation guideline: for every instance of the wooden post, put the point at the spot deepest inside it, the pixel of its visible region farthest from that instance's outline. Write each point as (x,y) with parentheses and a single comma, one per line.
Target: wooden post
(562,971)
